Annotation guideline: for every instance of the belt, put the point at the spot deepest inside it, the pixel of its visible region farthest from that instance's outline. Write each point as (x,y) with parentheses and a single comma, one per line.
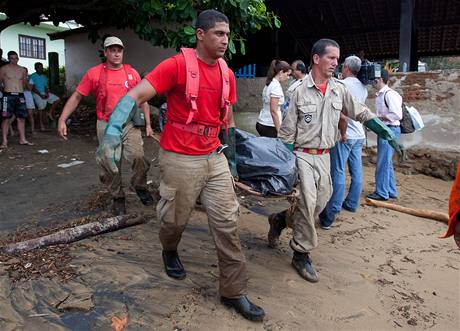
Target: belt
(199,129)
(13,93)
(393,126)
(314,151)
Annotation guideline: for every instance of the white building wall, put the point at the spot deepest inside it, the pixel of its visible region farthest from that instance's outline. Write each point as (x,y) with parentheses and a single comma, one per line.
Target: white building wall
(9,41)
(81,54)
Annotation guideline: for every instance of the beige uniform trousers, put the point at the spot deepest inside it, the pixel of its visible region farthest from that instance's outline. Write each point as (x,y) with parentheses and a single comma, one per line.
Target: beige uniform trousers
(133,152)
(184,178)
(315,192)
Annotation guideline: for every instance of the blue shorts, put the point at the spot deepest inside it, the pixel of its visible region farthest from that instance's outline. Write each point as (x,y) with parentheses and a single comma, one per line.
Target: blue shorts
(14,104)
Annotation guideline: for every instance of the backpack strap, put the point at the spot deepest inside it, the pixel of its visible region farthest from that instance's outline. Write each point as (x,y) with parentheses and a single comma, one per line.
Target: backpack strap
(192,80)
(193,83)
(101,97)
(385,98)
(224,102)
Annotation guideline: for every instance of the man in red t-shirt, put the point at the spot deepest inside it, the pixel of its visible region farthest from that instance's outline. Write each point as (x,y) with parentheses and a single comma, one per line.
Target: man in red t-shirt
(110,81)
(192,164)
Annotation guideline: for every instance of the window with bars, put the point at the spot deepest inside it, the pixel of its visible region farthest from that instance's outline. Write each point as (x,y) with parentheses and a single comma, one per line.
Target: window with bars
(32,47)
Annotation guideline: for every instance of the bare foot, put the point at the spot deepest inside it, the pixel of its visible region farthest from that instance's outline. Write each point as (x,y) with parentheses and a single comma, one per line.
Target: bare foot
(28,143)
(3,146)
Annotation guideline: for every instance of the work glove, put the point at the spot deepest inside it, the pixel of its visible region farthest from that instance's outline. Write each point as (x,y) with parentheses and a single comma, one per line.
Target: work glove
(384,132)
(230,152)
(108,154)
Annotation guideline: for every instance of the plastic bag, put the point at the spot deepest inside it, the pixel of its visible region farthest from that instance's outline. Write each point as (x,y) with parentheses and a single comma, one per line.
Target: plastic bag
(265,164)
(416,118)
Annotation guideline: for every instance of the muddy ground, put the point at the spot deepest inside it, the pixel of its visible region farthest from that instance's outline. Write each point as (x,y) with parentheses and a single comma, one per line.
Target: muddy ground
(379,269)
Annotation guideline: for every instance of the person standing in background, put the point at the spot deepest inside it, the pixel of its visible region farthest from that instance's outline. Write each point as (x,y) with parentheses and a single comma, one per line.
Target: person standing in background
(388,106)
(270,117)
(110,81)
(347,152)
(298,71)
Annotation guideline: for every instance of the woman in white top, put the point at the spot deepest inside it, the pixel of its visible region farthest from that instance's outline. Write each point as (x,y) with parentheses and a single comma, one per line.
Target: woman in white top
(269,121)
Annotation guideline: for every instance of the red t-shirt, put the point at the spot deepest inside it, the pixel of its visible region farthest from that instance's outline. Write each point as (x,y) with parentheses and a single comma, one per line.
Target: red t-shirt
(322,88)
(118,82)
(170,77)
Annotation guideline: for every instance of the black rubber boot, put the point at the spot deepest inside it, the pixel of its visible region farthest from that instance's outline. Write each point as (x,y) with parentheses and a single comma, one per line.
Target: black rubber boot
(302,263)
(173,266)
(277,225)
(145,197)
(245,307)
(118,206)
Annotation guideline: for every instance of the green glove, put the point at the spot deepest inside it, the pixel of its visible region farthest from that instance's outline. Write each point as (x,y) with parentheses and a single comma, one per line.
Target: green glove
(230,151)
(123,112)
(108,154)
(384,132)
(289,146)
(399,149)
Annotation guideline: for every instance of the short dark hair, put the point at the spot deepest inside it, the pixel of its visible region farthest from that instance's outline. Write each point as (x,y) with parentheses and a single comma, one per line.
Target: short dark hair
(320,47)
(299,65)
(385,75)
(208,19)
(37,64)
(12,53)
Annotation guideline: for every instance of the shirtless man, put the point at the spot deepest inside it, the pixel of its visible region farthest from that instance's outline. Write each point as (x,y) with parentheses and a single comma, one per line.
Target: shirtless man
(13,80)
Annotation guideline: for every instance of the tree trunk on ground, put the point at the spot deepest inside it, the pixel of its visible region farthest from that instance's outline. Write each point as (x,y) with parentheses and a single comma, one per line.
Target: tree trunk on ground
(77,233)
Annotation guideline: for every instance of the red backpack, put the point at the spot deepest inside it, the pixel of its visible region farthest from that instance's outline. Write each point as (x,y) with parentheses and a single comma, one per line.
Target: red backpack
(193,83)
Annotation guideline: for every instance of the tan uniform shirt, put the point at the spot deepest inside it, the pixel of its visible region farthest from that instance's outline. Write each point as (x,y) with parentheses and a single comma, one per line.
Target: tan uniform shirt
(312,119)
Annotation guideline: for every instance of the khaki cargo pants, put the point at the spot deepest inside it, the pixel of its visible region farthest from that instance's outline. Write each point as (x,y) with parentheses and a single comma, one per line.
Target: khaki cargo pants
(315,192)
(184,178)
(133,152)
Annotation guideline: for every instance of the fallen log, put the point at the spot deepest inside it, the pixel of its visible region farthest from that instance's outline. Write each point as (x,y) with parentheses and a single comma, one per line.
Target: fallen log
(425,213)
(77,233)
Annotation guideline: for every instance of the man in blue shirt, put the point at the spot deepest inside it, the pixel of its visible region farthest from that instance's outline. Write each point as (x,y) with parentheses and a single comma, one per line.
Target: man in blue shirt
(347,150)
(41,94)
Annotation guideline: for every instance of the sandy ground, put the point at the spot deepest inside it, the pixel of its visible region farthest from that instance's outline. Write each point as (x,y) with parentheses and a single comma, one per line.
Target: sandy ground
(379,269)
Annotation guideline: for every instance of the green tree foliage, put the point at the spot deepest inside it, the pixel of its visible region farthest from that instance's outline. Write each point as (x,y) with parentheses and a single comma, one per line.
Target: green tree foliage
(166,23)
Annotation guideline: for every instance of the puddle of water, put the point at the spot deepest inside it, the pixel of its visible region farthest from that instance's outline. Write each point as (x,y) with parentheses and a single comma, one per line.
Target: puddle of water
(79,321)
(107,302)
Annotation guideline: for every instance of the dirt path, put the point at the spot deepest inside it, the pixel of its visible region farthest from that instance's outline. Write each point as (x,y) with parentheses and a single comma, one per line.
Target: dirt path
(379,269)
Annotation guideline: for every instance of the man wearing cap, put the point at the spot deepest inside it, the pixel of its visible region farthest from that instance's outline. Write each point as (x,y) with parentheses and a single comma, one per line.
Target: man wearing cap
(109,81)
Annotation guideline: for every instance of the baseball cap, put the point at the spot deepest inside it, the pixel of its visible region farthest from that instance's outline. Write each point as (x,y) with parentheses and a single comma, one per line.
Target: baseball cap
(109,41)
